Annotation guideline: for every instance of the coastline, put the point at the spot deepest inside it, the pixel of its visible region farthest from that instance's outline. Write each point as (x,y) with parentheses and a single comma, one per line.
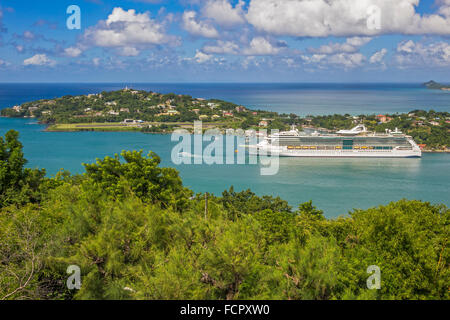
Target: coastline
(436,151)
(180,112)
(169,128)
(125,128)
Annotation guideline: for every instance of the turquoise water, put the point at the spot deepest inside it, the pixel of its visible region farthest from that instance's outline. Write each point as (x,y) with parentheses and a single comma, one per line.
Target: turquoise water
(335,185)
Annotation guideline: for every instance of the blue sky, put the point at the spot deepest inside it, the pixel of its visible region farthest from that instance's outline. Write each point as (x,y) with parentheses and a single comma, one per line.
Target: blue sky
(226,40)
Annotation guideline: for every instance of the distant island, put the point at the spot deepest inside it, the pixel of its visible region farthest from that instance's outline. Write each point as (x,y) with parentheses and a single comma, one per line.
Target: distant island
(434,85)
(151,112)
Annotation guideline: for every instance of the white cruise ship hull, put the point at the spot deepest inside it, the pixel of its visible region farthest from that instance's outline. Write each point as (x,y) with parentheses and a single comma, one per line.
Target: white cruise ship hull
(351,154)
(355,143)
(284,152)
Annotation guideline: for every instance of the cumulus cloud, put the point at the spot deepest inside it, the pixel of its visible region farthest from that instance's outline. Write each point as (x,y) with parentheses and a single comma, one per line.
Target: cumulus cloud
(416,54)
(358,41)
(258,46)
(128,31)
(223,13)
(339,60)
(249,61)
(128,51)
(378,56)
(198,28)
(406,46)
(72,52)
(347,60)
(444,7)
(261,46)
(289,62)
(323,18)
(28,35)
(221,47)
(39,60)
(350,46)
(201,57)
(315,58)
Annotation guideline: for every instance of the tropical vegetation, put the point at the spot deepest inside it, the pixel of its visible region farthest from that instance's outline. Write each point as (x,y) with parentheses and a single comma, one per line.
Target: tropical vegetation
(136,232)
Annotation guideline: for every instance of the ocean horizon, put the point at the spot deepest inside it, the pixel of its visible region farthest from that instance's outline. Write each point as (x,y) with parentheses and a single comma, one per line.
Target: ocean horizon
(299,98)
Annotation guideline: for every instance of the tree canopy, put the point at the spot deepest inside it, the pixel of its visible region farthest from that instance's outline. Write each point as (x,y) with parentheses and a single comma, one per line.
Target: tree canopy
(136,232)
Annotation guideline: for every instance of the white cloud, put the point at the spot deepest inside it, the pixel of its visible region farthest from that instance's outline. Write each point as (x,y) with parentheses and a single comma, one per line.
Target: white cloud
(413,54)
(222,47)
(351,60)
(323,18)
(315,58)
(260,46)
(444,7)
(358,41)
(128,51)
(250,62)
(28,35)
(350,46)
(201,57)
(198,28)
(223,12)
(72,52)
(406,46)
(342,60)
(39,60)
(289,62)
(96,61)
(378,56)
(127,30)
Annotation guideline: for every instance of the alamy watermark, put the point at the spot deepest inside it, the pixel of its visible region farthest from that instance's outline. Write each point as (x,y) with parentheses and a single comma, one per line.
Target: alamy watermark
(374,280)
(213,147)
(74,280)
(373,21)
(74,20)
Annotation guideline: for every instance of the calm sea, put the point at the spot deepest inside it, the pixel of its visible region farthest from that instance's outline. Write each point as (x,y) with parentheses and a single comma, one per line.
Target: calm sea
(335,185)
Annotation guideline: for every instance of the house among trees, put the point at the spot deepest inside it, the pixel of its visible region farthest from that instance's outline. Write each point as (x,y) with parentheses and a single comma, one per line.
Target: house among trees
(382,118)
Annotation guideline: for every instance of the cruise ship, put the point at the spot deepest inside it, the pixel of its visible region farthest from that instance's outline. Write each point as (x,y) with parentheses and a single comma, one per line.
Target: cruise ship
(357,142)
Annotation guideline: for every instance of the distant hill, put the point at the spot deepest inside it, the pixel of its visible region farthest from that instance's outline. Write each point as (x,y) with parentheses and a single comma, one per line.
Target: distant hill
(434,85)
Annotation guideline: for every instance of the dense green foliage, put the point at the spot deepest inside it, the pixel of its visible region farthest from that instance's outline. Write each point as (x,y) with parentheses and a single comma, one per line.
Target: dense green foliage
(137,233)
(17,185)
